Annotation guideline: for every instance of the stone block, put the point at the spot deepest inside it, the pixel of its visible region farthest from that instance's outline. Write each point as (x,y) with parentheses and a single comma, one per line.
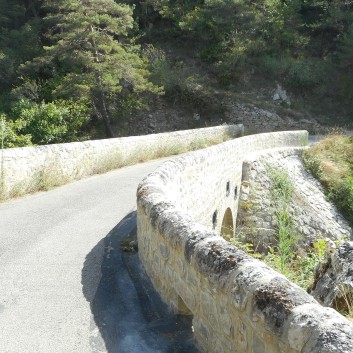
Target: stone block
(258,345)
(241,336)
(164,251)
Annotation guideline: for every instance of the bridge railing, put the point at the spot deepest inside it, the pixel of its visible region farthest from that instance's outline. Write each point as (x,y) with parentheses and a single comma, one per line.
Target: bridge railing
(30,169)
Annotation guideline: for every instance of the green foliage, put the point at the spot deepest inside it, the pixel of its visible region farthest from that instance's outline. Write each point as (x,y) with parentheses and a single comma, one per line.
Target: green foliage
(281,186)
(304,44)
(232,30)
(296,73)
(86,50)
(19,39)
(246,247)
(41,123)
(320,248)
(342,195)
(296,264)
(11,133)
(286,237)
(181,84)
(345,64)
(93,54)
(312,163)
(55,122)
(300,268)
(70,50)
(331,161)
(345,55)
(168,74)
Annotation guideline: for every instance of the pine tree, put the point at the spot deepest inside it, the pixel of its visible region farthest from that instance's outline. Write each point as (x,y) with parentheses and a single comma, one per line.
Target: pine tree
(19,41)
(92,54)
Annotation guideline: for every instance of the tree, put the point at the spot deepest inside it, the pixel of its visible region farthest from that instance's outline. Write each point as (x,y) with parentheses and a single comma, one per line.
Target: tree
(19,39)
(91,56)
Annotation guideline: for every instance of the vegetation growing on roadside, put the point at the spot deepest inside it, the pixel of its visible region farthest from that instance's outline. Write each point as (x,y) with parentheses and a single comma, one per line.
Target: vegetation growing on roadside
(331,161)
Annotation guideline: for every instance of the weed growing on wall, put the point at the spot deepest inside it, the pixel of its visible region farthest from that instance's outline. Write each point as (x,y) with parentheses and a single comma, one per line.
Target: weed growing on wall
(48,177)
(281,189)
(304,140)
(286,254)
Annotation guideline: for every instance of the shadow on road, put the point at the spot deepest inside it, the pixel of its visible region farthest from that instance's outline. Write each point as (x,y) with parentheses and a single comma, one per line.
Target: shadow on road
(129,314)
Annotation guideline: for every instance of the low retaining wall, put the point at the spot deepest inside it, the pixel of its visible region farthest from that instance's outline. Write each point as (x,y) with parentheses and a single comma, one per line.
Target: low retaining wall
(22,168)
(238,303)
(313,216)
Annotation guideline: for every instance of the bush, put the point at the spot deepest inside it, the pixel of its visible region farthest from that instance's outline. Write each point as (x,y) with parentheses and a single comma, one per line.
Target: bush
(342,195)
(296,73)
(171,75)
(331,161)
(312,163)
(55,122)
(10,133)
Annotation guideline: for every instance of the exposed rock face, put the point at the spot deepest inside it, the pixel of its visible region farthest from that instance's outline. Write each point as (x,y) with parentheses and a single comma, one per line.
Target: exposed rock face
(258,120)
(281,95)
(333,285)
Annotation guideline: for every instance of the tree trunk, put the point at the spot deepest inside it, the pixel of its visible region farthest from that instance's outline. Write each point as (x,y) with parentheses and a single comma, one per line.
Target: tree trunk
(102,113)
(103,107)
(30,6)
(108,126)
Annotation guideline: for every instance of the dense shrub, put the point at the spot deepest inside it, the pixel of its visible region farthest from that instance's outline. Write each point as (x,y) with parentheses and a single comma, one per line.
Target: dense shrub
(331,161)
(43,123)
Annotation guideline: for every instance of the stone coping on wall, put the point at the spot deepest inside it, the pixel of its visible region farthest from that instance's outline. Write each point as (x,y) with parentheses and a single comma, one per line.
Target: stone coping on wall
(238,303)
(22,169)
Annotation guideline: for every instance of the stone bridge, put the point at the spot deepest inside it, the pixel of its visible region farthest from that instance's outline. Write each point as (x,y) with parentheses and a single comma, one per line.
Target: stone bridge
(238,303)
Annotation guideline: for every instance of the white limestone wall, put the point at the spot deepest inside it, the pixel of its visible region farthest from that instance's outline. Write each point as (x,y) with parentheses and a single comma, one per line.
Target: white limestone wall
(238,303)
(20,167)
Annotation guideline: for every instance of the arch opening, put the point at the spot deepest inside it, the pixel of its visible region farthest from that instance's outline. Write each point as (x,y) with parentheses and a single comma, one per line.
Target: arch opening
(214,219)
(227,229)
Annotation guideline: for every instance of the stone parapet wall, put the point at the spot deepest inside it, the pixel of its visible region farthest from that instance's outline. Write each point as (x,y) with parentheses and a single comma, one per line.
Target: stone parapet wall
(20,168)
(238,303)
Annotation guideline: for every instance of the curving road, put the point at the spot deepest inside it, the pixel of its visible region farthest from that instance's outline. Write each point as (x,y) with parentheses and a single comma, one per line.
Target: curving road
(65,284)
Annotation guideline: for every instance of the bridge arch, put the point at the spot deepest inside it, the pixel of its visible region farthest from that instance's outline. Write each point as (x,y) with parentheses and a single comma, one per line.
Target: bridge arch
(227,228)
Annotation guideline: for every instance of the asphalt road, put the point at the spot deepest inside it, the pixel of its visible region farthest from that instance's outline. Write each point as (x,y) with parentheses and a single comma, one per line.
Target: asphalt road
(65,284)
